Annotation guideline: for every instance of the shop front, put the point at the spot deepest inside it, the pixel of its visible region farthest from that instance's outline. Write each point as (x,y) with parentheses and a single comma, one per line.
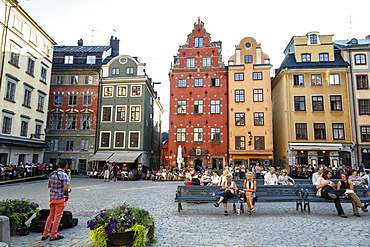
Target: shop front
(251,158)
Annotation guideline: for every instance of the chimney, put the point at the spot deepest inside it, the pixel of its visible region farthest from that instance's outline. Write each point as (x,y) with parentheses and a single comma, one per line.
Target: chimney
(367,37)
(114,43)
(80,42)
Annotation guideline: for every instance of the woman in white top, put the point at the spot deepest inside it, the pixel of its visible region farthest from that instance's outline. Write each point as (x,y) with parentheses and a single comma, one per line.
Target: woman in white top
(229,187)
(283,179)
(215,179)
(250,188)
(223,176)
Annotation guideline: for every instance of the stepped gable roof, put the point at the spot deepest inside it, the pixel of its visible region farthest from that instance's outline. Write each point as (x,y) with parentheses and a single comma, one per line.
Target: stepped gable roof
(82,49)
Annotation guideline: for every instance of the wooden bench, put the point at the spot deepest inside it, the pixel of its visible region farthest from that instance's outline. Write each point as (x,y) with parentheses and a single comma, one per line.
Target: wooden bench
(309,195)
(201,194)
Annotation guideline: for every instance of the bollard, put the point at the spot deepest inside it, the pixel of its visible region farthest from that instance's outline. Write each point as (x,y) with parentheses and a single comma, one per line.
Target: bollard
(4,230)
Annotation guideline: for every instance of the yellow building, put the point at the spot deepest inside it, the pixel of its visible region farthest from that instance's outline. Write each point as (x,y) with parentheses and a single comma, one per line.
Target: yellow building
(25,68)
(250,108)
(311,110)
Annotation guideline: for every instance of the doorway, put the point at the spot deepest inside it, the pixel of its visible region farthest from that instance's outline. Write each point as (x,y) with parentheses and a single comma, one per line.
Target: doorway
(82,166)
(197,164)
(217,164)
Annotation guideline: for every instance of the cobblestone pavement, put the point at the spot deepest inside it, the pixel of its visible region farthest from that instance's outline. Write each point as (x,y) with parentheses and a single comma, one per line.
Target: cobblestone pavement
(274,224)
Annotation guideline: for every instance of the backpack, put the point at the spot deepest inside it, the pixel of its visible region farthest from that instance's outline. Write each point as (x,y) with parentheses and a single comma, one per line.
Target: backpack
(105,167)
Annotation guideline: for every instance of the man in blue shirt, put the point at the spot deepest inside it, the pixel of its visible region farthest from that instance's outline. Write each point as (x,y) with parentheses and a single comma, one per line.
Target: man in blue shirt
(58,184)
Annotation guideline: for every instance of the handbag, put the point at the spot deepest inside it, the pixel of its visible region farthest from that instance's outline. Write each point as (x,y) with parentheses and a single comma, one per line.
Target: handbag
(318,192)
(219,193)
(349,192)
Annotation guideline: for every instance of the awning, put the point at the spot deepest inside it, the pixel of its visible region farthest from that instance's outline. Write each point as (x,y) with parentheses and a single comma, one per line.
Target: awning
(124,157)
(101,156)
(317,146)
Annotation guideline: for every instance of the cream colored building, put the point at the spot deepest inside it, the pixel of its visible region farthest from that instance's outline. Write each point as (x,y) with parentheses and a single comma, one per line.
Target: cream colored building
(250,107)
(311,108)
(25,67)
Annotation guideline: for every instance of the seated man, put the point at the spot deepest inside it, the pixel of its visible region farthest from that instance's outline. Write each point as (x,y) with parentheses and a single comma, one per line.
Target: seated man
(270,177)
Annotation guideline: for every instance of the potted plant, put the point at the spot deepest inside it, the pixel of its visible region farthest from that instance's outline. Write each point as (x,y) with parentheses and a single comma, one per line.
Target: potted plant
(121,225)
(18,211)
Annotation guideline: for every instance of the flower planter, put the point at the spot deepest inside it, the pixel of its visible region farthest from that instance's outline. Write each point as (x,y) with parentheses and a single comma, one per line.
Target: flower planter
(121,239)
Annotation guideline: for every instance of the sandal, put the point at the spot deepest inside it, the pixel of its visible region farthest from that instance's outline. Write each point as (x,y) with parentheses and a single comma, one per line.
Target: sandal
(44,238)
(225,213)
(253,211)
(216,204)
(249,213)
(56,238)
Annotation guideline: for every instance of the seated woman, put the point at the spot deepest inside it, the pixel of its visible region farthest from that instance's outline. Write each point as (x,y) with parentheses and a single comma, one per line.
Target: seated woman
(283,179)
(355,179)
(348,187)
(250,188)
(229,187)
(328,191)
(188,177)
(215,179)
(205,179)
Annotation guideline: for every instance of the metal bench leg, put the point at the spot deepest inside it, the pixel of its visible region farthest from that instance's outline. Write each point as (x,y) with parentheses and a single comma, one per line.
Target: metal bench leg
(241,208)
(234,208)
(179,207)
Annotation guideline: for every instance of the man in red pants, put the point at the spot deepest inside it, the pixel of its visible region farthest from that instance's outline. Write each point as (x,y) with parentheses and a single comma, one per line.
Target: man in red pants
(58,184)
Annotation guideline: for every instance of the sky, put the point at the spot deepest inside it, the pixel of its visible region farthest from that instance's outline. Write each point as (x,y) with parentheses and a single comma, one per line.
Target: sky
(153,30)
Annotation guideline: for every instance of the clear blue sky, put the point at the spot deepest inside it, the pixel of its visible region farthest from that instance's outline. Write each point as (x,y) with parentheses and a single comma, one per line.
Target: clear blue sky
(153,30)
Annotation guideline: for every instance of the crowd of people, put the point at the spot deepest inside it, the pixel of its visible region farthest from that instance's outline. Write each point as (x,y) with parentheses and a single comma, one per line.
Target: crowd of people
(23,170)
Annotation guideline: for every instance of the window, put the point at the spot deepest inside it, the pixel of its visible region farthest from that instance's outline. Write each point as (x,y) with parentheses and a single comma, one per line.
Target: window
(301,131)
(360,59)
(121,91)
(362,82)
(115,71)
(190,62)
(18,24)
(259,119)
(43,75)
(334,79)
(68,59)
(240,142)
(45,48)
(84,145)
(59,79)
(86,121)
(71,122)
(180,134)
(54,145)
(248,59)
(88,79)
(31,66)
(90,59)
(299,103)
(239,76)
(316,80)
(336,103)
(24,128)
(259,143)
(40,103)
(257,95)
(198,82)
(58,100)
(181,83)
(364,106)
(56,122)
(74,79)
(319,131)
(306,57)
(69,145)
(105,139)
(198,42)
(181,107)
(257,75)
(338,131)
(365,133)
(298,80)
(108,91)
(134,139)
(215,82)
(313,39)
(7,125)
(324,57)
(136,90)
(215,134)
(107,113)
(72,100)
(87,100)
(239,95)
(38,131)
(119,140)
(135,113)
(215,106)
(129,71)
(14,56)
(121,113)
(33,37)
(198,106)
(10,89)
(317,103)
(198,135)
(206,62)
(239,119)
(27,97)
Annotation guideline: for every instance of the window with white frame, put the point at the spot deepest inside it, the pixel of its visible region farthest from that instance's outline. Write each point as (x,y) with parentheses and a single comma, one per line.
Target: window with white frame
(121,91)
(181,83)
(18,24)
(33,37)
(69,145)
(121,113)
(68,59)
(38,130)
(206,62)
(90,59)
(59,79)
(198,42)
(106,113)
(58,100)
(198,135)
(74,79)
(198,107)
(41,102)
(190,62)
(181,107)
(84,145)
(14,56)
(105,139)
(86,121)
(180,134)
(115,71)
(71,121)
(134,139)
(306,57)
(72,100)
(24,127)
(10,89)
(215,134)
(119,139)
(56,121)
(27,97)
(135,114)
(88,79)
(87,100)
(135,90)
(215,106)
(31,66)
(215,82)
(54,145)
(108,91)
(198,82)
(44,73)
(7,124)
(129,71)
(334,79)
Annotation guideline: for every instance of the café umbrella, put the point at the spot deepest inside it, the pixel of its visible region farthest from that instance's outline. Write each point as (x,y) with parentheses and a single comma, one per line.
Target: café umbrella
(179,157)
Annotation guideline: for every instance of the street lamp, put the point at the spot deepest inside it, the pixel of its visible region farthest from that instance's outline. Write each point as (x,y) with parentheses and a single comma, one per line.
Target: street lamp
(250,138)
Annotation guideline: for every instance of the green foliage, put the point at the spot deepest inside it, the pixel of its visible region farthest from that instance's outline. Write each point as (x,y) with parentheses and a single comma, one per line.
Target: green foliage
(99,237)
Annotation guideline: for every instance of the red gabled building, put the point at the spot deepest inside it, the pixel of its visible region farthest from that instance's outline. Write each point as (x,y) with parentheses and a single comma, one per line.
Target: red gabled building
(198,103)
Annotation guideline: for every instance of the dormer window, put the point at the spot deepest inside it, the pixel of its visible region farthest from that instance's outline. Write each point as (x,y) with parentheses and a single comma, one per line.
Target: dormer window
(306,57)
(198,42)
(313,39)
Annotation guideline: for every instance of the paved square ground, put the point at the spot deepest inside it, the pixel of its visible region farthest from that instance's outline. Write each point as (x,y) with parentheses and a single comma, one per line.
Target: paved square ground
(274,224)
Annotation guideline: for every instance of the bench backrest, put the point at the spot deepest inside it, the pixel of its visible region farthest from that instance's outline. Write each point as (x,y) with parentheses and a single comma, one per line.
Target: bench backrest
(311,190)
(197,191)
(277,190)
